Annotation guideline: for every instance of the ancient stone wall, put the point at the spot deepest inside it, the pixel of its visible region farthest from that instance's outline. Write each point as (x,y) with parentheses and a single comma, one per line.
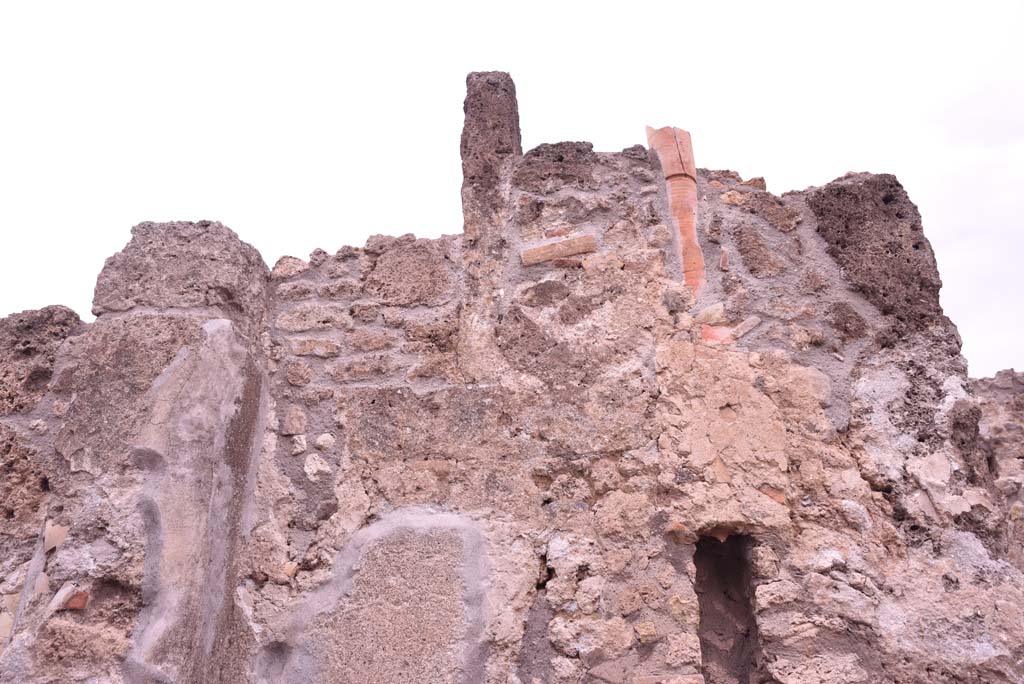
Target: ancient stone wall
(640,423)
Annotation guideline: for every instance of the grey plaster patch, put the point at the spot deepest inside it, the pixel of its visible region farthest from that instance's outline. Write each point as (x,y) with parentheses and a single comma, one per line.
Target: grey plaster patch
(195,401)
(406,603)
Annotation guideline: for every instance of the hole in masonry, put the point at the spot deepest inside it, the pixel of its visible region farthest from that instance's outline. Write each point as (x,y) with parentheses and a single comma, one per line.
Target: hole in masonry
(727,630)
(546,574)
(37,379)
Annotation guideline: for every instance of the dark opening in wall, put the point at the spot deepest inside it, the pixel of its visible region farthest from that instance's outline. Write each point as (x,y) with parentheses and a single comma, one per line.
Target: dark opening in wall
(727,631)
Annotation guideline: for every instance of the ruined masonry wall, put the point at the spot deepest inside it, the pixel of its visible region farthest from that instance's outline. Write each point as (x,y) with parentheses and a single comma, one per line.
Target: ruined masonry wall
(640,423)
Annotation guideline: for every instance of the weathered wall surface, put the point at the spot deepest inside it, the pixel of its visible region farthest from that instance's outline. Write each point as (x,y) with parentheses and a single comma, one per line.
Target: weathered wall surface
(137,467)
(549,449)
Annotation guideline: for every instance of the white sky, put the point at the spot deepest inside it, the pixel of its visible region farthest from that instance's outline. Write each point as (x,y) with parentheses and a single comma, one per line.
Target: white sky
(305,124)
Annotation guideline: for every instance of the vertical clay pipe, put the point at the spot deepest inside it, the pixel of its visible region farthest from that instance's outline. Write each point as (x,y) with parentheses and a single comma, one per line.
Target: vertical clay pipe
(676,154)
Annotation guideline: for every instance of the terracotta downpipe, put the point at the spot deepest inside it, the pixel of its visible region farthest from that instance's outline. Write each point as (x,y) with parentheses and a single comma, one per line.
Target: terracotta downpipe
(676,154)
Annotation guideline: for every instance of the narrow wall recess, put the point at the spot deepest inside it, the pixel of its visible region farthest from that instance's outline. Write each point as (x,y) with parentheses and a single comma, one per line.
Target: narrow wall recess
(727,631)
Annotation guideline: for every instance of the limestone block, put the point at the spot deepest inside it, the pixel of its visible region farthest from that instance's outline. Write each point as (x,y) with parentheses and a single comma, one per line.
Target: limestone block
(570,246)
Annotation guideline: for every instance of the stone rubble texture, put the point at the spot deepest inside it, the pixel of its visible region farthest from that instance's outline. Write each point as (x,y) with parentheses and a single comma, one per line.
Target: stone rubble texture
(640,423)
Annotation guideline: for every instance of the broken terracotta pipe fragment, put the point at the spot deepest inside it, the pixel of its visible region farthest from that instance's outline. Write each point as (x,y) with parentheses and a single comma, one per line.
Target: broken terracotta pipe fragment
(675,151)
(69,597)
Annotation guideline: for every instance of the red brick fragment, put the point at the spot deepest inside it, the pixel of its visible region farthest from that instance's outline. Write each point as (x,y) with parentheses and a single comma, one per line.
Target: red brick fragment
(716,334)
(77,601)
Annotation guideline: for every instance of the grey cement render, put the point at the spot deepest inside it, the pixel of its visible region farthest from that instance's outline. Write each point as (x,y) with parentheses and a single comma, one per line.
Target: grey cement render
(293,659)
